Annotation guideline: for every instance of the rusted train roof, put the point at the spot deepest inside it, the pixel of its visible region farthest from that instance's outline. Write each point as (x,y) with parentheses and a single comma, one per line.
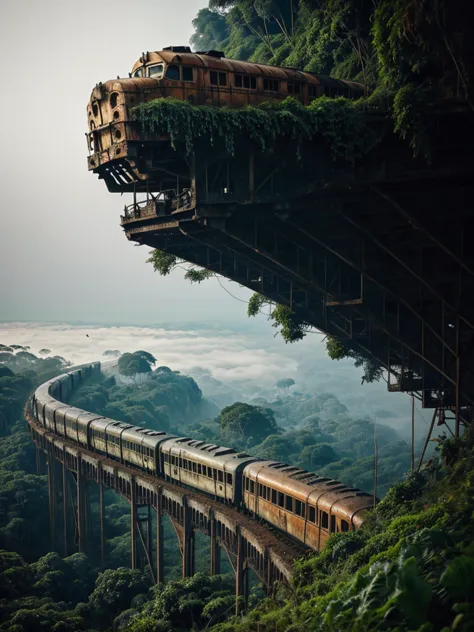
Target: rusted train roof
(305,486)
(241,67)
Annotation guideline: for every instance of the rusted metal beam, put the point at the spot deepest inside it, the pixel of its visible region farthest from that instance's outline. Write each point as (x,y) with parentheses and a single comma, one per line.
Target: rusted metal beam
(417,226)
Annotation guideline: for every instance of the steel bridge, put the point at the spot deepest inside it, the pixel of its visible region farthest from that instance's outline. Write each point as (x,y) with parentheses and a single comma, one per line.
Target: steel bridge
(377,254)
(249,544)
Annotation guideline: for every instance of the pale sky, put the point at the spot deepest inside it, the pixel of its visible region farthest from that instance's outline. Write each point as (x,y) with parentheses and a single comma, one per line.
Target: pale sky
(63,255)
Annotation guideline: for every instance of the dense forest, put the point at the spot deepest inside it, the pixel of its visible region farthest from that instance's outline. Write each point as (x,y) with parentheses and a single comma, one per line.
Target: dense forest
(411,566)
(41,589)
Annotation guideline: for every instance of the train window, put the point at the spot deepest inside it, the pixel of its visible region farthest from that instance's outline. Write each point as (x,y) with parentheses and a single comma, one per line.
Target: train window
(229,479)
(295,88)
(247,484)
(271,85)
(188,73)
(244,81)
(281,499)
(194,467)
(217,78)
(324,520)
(344,526)
(252,487)
(274,497)
(312,91)
(199,468)
(209,472)
(138,72)
(312,515)
(299,508)
(172,73)
(333,524)
(155,71)
(220,477)
(288,503)
(180,462)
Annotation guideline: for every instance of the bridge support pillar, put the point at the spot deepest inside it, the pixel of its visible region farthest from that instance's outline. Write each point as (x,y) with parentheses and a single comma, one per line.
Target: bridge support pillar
(241,577)
(188,542)
(160,577)
(133,522)
(39,468)
(81,507)
(52,499)
(101,520)
(65,503)
(215,549)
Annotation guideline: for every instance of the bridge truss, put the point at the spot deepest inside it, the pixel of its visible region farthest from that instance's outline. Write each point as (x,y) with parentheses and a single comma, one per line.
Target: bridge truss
(249,544)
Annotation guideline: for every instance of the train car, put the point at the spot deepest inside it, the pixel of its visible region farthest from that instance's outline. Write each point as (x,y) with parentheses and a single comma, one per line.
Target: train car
(306,506)
(213,469)
(115,139)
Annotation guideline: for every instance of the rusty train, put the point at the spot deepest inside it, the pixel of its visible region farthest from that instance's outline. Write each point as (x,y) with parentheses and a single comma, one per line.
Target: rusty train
(120,152)
(302,504)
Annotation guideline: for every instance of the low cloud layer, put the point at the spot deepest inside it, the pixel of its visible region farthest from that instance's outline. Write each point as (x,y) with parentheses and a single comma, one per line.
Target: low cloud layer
(229,356)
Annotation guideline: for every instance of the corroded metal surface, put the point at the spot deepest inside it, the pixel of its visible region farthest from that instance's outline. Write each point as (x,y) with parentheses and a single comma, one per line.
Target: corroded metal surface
(270,547)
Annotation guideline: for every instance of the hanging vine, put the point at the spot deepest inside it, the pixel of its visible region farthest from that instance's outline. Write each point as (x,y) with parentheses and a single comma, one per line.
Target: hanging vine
(340,123)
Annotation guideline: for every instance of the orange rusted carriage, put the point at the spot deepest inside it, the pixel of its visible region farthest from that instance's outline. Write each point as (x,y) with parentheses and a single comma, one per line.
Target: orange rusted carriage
(114,139)
(306,506)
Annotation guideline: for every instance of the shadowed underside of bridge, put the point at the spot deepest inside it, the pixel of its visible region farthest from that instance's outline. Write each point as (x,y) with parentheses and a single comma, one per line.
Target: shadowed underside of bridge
(248,544)
(377,254)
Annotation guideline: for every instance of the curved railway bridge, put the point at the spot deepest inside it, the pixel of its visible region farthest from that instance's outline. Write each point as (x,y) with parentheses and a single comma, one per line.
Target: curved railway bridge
(249,543)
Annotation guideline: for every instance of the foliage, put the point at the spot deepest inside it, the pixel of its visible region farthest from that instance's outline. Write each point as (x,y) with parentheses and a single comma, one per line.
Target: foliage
(337,350)
(291,329)
(247,421)
(339,123)
(409,568)
(133,364)
(164,263)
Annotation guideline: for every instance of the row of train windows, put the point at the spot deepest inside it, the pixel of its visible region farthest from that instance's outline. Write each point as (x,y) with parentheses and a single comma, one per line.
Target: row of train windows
(135,447)
(293,505)
(247,82)
(197,468)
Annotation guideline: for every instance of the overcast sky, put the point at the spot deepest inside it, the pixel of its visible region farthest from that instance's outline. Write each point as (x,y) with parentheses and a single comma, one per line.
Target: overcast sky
(63,256)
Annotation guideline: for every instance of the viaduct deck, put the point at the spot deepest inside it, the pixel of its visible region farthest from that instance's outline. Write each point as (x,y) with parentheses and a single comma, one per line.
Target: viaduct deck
(248,543)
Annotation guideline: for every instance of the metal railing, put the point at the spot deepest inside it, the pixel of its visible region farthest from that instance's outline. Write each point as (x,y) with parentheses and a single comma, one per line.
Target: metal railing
(164,203)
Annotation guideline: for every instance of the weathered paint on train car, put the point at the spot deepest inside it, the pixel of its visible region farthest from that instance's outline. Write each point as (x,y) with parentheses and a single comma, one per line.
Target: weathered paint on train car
(198,78)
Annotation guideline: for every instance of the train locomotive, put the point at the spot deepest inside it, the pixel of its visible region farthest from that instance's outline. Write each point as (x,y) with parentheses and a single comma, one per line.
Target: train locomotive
(302,504)
(121,153)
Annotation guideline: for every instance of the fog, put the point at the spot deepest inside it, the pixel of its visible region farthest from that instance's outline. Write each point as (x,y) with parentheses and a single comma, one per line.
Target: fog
(63,255)
(247,362)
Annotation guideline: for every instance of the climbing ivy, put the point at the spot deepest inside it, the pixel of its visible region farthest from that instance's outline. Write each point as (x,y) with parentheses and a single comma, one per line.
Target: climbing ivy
(341,123)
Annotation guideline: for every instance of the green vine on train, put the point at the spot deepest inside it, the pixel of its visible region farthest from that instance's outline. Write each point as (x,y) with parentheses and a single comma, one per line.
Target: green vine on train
(341,123)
